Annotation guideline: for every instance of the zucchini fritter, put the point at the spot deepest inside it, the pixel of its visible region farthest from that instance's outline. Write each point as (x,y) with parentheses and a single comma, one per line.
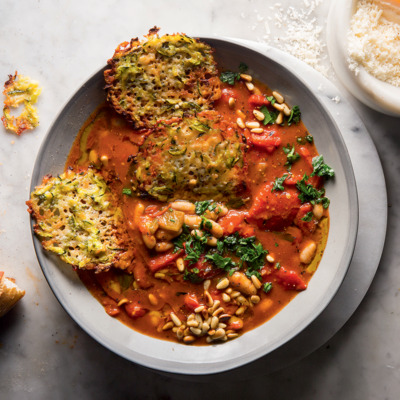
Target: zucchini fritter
(161,78)
(195,158)
(78,220)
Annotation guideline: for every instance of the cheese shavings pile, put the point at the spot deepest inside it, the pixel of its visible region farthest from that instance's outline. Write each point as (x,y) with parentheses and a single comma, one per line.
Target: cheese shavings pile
(374,43)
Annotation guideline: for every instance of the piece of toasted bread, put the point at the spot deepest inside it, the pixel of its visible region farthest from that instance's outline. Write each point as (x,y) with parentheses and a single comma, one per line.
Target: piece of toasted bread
(10,293)
(161,78)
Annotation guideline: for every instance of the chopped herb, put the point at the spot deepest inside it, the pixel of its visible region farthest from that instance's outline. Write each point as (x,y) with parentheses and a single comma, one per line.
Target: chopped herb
(320,168)
(271,99)
(291,156)
(309,138)
(270,116)
(229,77)
(295,115)
(267,287)
(127,191)
(276,245)
(277,266)
(309,193)
(278,184)
(202,206)
(308,217)
(225,263)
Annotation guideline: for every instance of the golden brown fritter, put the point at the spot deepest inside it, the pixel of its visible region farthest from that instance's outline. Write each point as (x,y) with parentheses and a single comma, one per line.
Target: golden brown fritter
(76,218)
(161,78)
(196,158)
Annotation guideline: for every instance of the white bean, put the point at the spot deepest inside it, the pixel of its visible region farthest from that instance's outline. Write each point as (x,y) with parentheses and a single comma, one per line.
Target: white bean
(318,211)
(183,205)
(308,252)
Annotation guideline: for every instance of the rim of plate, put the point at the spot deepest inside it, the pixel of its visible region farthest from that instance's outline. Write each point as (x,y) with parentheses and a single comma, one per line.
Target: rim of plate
(167,356)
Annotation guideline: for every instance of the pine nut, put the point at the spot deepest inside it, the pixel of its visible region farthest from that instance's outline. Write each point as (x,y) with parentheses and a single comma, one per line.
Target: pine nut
(252,124)
(259,115)
(163,246)
(198,319)
(121,302)
(242,300)
(278,106)
(270,258)
(240,123)
(209,339)
(209,299)
(235,294)
(246,77)
(153,299)
(179,333)
(257,130)
(232,335)
(205,327)
(182,205)
(226,298)
(180,264)
(231,102)
(223,284)
(256,282)
(286,110)
(249,86)
(199,309)
(218,311)
(241,114)
(168,325)
(206,284)
(224,317)
(196,331)
(219,333)
(255,299)
(211,332)
(279,118)
(192,323)
(229,290)
(241,310)
(278,97)
(175,319)
(214,306)
(214,322)
(189,339)
(222,325)
(159,275)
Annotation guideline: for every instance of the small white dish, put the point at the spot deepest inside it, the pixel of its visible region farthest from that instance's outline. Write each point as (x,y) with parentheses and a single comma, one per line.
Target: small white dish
(373,92)
(301,311)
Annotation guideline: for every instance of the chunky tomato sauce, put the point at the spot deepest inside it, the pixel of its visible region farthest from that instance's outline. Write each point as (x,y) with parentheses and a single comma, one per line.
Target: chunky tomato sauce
(294,232)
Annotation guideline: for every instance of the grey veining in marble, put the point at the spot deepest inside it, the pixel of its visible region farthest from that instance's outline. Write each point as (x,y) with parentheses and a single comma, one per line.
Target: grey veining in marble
(43,353)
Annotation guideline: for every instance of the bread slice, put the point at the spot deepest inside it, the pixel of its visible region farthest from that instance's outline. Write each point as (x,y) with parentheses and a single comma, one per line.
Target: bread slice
(10,293)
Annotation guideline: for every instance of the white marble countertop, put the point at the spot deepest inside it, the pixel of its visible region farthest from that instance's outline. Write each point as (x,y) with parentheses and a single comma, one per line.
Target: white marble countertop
(43,353)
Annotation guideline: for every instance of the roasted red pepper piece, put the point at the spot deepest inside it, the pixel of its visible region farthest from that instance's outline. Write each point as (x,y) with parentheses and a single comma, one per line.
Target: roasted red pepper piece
(191,301)
(289,279)
(267,141)
(163,260)
(258,100)
(134,310)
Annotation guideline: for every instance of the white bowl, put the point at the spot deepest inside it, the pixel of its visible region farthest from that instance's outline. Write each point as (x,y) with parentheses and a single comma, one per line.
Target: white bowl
(374,93)
(307,305)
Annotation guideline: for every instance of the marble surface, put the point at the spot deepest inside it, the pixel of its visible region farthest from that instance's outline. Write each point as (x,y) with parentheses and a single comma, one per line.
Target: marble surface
(43,353)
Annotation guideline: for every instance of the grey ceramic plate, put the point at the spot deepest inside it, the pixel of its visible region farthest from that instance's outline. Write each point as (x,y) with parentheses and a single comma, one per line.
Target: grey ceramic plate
(175,357)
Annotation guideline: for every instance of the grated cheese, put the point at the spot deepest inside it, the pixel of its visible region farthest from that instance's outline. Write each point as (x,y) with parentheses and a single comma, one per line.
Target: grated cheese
(300,34)
(374,43)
